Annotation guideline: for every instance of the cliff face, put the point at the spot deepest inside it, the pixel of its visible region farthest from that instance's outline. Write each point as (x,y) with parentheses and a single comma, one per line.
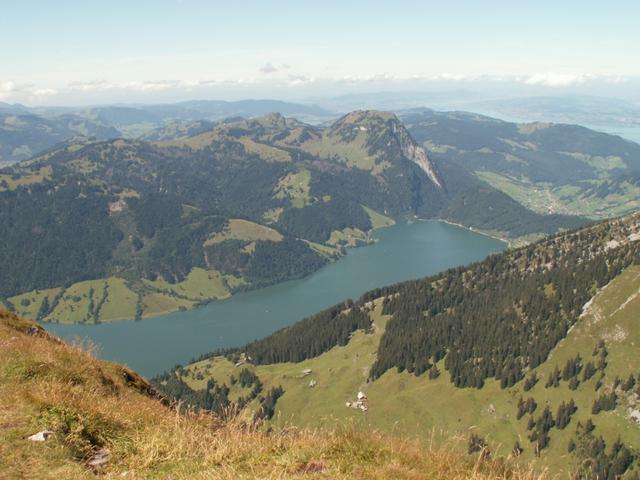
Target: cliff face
(385,138)
(418,155)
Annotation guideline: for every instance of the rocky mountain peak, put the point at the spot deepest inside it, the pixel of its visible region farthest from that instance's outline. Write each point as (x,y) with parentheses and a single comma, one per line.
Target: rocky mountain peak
(384,132)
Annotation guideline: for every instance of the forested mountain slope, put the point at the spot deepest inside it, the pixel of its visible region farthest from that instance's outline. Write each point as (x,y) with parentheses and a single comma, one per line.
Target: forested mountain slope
(103,419)
(530,350)
(129,228)
(550,168)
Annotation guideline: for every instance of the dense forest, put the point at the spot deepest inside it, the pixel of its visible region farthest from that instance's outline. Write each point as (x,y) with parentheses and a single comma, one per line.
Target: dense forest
(460,317)
(497,318)
(310,337)
(49,238)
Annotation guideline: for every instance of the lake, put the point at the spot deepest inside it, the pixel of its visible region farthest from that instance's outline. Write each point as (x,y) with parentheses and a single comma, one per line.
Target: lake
(402,252)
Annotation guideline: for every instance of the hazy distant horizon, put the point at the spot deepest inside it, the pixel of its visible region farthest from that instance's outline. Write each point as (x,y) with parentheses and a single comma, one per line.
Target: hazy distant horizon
(173,50)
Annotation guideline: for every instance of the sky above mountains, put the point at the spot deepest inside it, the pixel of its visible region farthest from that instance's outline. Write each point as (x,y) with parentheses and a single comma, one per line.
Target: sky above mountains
(78,52)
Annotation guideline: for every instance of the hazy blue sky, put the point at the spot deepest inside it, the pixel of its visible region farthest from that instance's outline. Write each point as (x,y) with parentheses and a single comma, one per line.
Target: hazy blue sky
(96,51)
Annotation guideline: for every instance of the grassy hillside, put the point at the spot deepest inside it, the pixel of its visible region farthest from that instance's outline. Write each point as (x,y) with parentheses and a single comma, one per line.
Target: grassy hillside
(98,409)
(605,338)
(418,406)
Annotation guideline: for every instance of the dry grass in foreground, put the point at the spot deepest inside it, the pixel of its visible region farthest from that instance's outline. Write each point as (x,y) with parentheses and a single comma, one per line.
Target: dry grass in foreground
(92,405)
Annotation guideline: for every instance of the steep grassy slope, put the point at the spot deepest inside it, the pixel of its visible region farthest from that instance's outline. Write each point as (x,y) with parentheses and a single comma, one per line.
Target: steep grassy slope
(94,407)
(433,408)
(425,402)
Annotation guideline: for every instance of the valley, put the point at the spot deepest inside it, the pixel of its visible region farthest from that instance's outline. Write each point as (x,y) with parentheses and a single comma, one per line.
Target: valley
(166,226)
(327,241)
(602,334)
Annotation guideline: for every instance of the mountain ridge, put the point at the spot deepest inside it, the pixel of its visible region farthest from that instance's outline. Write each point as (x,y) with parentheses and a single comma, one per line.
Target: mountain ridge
(159,204)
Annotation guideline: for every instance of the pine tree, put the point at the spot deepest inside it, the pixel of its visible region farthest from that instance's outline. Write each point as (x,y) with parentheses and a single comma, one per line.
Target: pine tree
(629,384)
(554,378)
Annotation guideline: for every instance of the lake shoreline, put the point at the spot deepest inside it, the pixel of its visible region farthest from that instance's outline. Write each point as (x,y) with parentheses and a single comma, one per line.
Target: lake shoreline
(408,251)
(509,242)
(370,241)
(204,302)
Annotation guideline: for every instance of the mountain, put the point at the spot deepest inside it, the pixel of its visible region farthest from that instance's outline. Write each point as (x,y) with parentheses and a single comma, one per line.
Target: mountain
(527,351)
(178,129)
(549,168)
(104,230)
(254,108)
(14,108)
(139,120)
(23,134)
(104,419)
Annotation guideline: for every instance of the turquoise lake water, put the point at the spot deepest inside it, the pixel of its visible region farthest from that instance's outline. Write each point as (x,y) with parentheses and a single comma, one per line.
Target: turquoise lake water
(402,252)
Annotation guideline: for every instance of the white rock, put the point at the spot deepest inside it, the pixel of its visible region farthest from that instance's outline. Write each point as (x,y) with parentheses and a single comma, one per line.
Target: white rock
(42,436)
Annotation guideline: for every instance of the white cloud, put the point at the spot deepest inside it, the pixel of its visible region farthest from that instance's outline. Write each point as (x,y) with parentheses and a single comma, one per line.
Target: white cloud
(378,77)
(268,85)
(556,79)
(299,80)
(152,86)
(91,86)
(453,77)
(44,92)
(6,88)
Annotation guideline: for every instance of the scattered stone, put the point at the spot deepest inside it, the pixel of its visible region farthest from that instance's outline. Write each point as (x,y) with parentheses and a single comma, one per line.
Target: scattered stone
(313,383)
(306,371)
(42,436)
(99,460)
(362,403)
(611,244)
(33,331)
(617,334)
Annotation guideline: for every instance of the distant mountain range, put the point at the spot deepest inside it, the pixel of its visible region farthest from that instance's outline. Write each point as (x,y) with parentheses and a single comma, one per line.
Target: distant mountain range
(26,131)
